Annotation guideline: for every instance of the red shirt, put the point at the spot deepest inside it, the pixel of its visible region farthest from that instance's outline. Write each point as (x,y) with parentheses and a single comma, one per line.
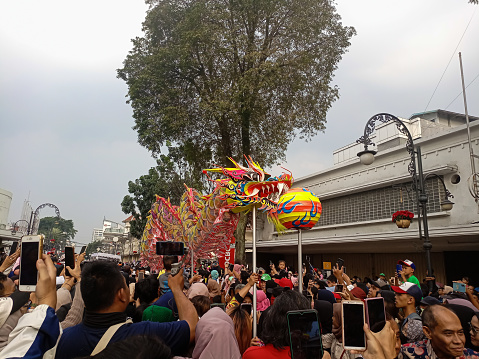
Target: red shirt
(267,352)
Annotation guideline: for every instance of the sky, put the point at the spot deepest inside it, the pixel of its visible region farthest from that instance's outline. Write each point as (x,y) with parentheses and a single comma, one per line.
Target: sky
(66,130)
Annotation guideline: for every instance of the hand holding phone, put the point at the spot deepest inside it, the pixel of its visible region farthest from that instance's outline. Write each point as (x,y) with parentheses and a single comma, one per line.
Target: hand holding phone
(31,251)
(354,337)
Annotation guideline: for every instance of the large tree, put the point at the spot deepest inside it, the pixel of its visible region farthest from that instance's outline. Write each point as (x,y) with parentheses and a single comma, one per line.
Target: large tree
(237,77)
(57,229)
(166,180)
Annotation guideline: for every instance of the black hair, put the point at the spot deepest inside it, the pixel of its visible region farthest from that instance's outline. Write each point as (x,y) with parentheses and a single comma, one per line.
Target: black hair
(216,299)
(282,261)
(101,281)
(332,278)
(429,315)
(147,290)
(201,304)
(138,313)
(3,278)
(274,325)
(137,346)
(168,261)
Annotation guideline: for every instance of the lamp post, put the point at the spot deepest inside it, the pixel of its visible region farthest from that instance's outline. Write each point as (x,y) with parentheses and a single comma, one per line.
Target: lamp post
(14,227)
(367,157)
(115,239)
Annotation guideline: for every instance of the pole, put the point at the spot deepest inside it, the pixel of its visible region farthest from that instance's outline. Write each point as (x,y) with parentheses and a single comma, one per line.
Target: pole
(427,245)
(471,152)
(30,227)
(300,261)
(254,271)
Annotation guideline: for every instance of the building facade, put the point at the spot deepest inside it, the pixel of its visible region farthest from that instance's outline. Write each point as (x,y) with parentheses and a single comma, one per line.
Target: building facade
(358,202)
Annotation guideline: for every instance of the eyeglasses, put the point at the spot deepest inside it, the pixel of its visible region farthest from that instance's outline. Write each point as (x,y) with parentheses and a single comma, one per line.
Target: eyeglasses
(473,329)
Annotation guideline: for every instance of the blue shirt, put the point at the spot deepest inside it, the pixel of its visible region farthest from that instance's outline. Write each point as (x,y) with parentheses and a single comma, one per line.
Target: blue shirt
(80,340)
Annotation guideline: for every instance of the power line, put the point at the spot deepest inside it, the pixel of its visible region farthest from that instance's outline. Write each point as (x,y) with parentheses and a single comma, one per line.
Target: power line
(460,93)
(453,53)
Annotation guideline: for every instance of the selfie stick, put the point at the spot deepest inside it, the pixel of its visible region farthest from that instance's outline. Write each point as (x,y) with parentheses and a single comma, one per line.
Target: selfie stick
(192,264)
(254,271)
(300,262)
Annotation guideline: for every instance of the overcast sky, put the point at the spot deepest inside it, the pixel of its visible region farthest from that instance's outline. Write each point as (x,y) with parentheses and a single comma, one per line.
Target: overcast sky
(65,128)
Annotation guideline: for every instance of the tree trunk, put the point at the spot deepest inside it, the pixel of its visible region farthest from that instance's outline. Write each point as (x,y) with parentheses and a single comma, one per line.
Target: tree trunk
(240,253)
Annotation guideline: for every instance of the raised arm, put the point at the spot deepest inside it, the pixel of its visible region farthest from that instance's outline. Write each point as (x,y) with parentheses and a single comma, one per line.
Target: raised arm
(186,309)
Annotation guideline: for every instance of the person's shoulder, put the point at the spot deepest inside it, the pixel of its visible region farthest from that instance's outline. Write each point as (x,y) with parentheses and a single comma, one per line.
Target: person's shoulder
(469,353)
(155,326)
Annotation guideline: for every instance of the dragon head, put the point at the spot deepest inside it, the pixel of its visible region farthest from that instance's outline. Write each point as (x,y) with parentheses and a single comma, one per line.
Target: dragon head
(250,186)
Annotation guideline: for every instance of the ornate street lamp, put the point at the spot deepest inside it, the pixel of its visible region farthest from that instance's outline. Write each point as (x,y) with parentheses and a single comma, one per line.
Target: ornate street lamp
(14,227)
(367,157)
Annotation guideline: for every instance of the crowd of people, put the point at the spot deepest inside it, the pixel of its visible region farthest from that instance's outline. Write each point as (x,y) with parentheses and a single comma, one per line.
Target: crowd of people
(102,309)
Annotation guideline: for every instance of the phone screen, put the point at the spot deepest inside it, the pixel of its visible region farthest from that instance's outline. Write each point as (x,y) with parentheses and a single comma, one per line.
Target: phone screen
(398,268)
(376,314)
(170,248)
(28,263)
(247,306)
(339,288)
(83,249)
(69,259)
(13,248)
(459,287)
(353,321)
(304,334)
(141,276)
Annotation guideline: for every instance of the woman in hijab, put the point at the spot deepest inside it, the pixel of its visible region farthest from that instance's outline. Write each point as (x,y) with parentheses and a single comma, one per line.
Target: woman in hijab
(214,288)
(198,288)
(215,336)
(262,301)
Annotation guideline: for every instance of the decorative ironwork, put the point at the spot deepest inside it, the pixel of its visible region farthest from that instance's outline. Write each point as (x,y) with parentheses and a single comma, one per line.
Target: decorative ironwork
(446,191)
(36,219)
(385,118)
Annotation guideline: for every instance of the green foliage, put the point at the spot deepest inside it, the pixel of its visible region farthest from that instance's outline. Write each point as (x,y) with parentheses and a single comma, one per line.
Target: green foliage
(91,248)
(165,180)
(58,229)
(217,78)
(236,77)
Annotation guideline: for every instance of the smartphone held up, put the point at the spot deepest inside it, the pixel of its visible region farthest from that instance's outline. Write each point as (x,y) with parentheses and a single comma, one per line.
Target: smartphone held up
(354,337)
(31,251)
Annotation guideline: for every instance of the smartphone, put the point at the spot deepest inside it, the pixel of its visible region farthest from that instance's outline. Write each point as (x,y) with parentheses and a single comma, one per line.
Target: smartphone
(221,305)
(69,259)
(31,251)
(248,307)
(339,288)
(304,334)
(340,263)
(354,337)
(231,267)
(375,313)
(398,269)
(459,287)
(141,276)
(167,248)
(83,249)
(13,248)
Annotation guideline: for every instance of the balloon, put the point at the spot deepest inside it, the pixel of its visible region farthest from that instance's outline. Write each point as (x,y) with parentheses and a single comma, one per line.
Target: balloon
(299,208)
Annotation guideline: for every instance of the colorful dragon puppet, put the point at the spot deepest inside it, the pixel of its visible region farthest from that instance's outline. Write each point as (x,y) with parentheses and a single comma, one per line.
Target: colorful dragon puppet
(207,223)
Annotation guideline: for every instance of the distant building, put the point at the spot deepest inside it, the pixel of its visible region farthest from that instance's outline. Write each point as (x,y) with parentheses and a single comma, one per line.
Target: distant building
(358,202)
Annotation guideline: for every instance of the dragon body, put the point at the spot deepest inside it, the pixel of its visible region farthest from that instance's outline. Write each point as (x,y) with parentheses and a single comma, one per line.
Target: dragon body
(206,223)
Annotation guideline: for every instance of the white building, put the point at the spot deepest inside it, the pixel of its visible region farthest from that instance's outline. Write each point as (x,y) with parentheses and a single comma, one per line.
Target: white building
(358,202)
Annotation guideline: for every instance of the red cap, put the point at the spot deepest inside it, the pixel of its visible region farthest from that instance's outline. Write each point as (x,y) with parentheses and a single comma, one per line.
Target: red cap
(284,282)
